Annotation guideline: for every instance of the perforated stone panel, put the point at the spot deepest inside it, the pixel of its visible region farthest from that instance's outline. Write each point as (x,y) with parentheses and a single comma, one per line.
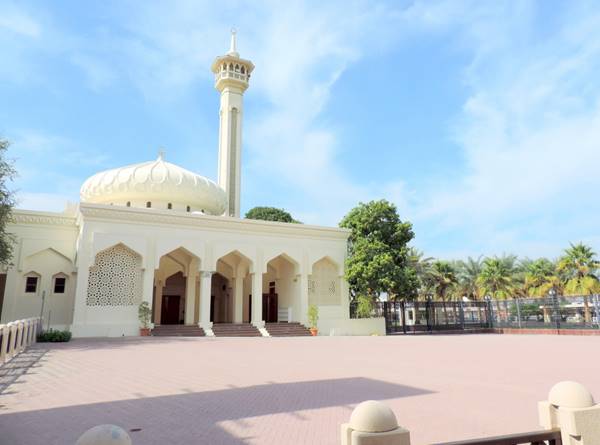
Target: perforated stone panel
(323,284)
(115,278)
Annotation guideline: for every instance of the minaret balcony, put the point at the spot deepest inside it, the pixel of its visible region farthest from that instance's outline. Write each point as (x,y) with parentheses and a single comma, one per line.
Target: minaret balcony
(231,75)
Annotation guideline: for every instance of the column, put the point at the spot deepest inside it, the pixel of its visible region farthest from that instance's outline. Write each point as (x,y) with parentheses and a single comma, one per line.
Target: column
(190,294)
(80,303)
(148,281)
(238,314)
(205,291)
(257,316)
(158,300)
(303,315)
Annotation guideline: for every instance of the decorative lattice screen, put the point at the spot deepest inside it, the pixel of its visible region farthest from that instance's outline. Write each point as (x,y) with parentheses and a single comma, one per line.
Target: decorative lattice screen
(323,284)
(115,278)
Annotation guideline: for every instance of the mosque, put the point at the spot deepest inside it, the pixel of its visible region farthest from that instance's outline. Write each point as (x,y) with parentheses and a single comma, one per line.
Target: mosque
(159,233)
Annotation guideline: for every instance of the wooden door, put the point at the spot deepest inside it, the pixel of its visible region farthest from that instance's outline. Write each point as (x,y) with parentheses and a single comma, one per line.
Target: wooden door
(169,313)
(270,308)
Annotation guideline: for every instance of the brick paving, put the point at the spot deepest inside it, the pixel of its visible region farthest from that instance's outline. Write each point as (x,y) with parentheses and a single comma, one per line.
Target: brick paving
(285,390)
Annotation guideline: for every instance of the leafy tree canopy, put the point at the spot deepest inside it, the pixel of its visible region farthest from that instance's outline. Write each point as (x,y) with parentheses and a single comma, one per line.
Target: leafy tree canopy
(7,173)
(378,259)
(270,214)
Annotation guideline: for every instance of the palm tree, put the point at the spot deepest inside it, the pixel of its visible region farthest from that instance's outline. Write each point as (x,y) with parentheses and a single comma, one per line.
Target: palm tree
(540,277)
(421,265)
(496,279)
(441,279)
(579,264)
(467,273)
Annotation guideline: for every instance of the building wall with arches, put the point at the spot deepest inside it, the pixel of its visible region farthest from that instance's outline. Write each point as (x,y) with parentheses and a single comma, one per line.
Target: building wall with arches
(102,246)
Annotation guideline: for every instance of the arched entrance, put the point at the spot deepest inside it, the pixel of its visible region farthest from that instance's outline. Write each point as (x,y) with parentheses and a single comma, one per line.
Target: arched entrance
(176,289)
(281,290)
(221,299)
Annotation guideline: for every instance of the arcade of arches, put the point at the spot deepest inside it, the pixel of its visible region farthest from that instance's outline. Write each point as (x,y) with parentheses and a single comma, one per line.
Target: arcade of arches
(180,284)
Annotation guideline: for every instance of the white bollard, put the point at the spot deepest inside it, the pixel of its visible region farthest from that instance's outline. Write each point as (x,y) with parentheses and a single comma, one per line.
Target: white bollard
(36,325)
(104,435)
(570,407)
(19,342)
(25,333)
(373,423)
(10,351)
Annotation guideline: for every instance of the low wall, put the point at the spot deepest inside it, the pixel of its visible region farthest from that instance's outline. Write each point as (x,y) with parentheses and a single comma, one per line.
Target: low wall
(352,326)
(547,331)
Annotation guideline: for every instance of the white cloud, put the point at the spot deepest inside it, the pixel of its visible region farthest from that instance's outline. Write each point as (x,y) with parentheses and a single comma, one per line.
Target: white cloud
(529,131)
(530,135)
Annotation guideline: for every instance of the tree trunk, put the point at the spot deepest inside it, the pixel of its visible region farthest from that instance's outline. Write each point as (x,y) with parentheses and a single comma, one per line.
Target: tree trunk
(586,310)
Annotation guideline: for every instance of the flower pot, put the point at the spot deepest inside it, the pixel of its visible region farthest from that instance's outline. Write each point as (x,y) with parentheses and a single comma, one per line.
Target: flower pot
(145,332)
(313,331)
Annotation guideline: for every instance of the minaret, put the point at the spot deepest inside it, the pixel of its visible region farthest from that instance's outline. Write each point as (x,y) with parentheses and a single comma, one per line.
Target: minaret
(231,79)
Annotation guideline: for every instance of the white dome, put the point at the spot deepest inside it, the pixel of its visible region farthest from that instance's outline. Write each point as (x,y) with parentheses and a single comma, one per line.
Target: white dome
(156,184)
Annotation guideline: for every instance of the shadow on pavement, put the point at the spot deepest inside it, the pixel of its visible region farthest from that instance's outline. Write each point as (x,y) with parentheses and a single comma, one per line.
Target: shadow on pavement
(193,418)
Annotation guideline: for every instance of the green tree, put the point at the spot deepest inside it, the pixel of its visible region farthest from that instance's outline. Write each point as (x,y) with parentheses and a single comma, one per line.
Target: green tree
(441,279)
(421,265)
(270,214)
(496,279)
(579,264)
(378,253)
(7,202)
(541,276)
(467,273)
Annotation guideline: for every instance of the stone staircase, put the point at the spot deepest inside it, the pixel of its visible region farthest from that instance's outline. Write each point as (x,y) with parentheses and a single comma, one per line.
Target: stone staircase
(287,330)
(177,330)
(235,330)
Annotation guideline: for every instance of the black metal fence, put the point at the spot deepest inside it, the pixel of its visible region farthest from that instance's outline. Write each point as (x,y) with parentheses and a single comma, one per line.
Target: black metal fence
(428,316)
(555,312)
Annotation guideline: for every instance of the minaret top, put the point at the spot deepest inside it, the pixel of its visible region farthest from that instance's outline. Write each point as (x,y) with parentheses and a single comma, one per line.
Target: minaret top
(233,45)
(230,70)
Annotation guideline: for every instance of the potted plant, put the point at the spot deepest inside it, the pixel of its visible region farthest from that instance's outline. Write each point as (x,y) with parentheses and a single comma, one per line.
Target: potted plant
(313,317)
(144,314)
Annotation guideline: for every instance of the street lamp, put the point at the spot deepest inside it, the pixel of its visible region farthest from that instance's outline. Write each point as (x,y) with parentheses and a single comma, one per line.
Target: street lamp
(552,294)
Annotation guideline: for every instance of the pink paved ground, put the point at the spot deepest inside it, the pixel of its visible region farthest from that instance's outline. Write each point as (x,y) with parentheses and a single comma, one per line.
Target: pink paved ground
(286,391)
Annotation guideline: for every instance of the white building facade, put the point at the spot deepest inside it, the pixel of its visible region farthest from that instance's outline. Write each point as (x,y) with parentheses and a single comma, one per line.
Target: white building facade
(159,233)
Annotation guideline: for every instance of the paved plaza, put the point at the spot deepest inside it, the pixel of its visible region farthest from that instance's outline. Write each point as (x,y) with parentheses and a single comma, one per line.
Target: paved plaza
(285,390)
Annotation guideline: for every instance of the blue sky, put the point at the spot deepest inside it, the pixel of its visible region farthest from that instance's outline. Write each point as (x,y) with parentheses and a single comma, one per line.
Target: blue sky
(480,120)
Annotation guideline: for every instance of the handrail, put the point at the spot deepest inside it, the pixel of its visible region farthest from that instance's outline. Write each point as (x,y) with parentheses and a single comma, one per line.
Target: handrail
(552,437)
(16,336)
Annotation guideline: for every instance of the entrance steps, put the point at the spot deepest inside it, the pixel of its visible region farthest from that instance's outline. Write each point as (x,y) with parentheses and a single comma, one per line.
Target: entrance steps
(287,329)
(177,330)
(235,330)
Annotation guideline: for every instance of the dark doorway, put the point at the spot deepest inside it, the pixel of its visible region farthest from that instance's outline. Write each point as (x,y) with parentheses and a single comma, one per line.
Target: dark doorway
(212,308)
(2,286)
(269,308)
(170,309)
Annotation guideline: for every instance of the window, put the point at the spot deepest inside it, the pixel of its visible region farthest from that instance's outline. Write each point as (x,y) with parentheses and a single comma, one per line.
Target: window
(148,204)
(169,206)
(128,204)
(187,209)
(31,285)
(243,70)
(59,285)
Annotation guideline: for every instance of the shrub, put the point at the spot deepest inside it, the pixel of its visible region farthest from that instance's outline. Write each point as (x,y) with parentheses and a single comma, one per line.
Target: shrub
(313,315)
(54,336)
(364,309)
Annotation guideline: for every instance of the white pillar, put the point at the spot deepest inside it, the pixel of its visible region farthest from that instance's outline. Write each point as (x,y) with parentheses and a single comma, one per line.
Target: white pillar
(205,292)
(238,315)
(4,329)
(190,294)
(257,290)
(81,288)
(303,315)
